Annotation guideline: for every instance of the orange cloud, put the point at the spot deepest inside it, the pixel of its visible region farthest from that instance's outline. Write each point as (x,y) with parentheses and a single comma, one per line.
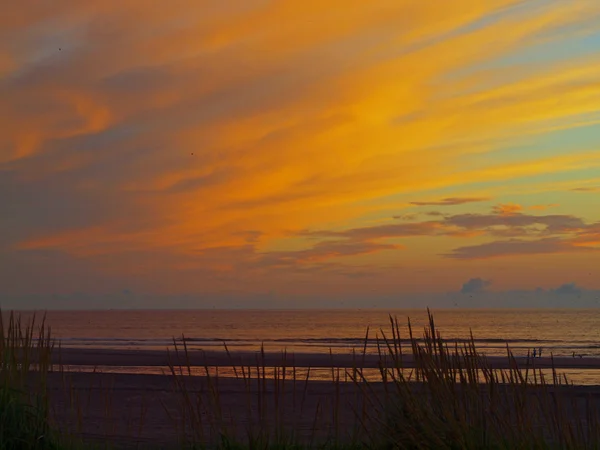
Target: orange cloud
(542,207)
(507,209)
(272,118)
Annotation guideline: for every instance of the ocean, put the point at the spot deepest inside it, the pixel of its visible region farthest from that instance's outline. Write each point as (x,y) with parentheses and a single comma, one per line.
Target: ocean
(560,332)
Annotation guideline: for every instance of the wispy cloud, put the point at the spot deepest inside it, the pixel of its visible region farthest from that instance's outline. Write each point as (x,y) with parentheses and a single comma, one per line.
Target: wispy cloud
(324,251)
(119,144)
(587,189)
(515,247)
(451,201)
(543,207)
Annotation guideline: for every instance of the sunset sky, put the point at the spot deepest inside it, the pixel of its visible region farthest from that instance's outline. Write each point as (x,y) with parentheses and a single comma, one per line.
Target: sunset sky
(298,151)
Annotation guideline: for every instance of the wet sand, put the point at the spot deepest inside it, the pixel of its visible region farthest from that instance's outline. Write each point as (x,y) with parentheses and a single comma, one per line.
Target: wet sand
(109,357)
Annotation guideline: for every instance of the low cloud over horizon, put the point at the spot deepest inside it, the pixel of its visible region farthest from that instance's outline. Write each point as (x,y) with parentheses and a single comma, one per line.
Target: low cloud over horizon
(474,293)
(475,285)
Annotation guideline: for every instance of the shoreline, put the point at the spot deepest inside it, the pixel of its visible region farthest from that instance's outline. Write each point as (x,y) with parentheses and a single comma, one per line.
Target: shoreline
(214,358)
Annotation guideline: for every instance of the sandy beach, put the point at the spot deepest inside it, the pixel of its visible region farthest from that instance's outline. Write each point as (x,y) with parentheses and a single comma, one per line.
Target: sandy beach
(128,409)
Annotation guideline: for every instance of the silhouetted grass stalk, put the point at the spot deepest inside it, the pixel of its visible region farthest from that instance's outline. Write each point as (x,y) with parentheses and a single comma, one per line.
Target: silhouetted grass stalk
(452,398)
(25,361)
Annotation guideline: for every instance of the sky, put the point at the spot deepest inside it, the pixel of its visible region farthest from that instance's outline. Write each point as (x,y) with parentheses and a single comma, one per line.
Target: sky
(290,153)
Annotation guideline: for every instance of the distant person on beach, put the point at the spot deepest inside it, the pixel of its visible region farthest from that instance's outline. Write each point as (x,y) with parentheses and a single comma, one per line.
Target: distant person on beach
(534,350)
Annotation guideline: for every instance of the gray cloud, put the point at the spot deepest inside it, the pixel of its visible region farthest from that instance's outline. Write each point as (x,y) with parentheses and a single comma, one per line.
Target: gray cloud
(514,247)
(587,189)
(451,201)
(553,223)
(430,228)
(50,270)
(492,224)
(192,184)
(475,285)
(251,236)
(548,233)
(34,207)
(568,289)
(258,298)
(322,251)
(407,216)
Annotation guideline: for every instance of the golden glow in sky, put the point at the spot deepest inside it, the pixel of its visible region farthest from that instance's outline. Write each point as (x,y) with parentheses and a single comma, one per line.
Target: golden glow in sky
(299,147)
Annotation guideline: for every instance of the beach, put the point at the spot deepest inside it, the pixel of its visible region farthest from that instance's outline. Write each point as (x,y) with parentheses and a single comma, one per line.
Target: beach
(126,409)
(134,379)
(131,408)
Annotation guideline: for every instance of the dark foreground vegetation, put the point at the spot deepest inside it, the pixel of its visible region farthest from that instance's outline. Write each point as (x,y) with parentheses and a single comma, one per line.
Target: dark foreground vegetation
(451,399)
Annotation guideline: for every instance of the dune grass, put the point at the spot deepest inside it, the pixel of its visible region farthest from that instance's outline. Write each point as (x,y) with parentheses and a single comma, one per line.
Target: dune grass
(25,359)
(457,400)
(451,398)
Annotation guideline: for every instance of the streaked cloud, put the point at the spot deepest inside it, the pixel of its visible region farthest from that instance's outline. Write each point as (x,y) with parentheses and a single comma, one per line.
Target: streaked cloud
(203,145)
(516,247)
(325,250)
(529,234)
(451,201)
(543,207)
(587,189)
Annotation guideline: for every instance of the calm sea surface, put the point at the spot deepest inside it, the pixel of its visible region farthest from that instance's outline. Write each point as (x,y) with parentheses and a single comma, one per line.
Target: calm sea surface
(560,332)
